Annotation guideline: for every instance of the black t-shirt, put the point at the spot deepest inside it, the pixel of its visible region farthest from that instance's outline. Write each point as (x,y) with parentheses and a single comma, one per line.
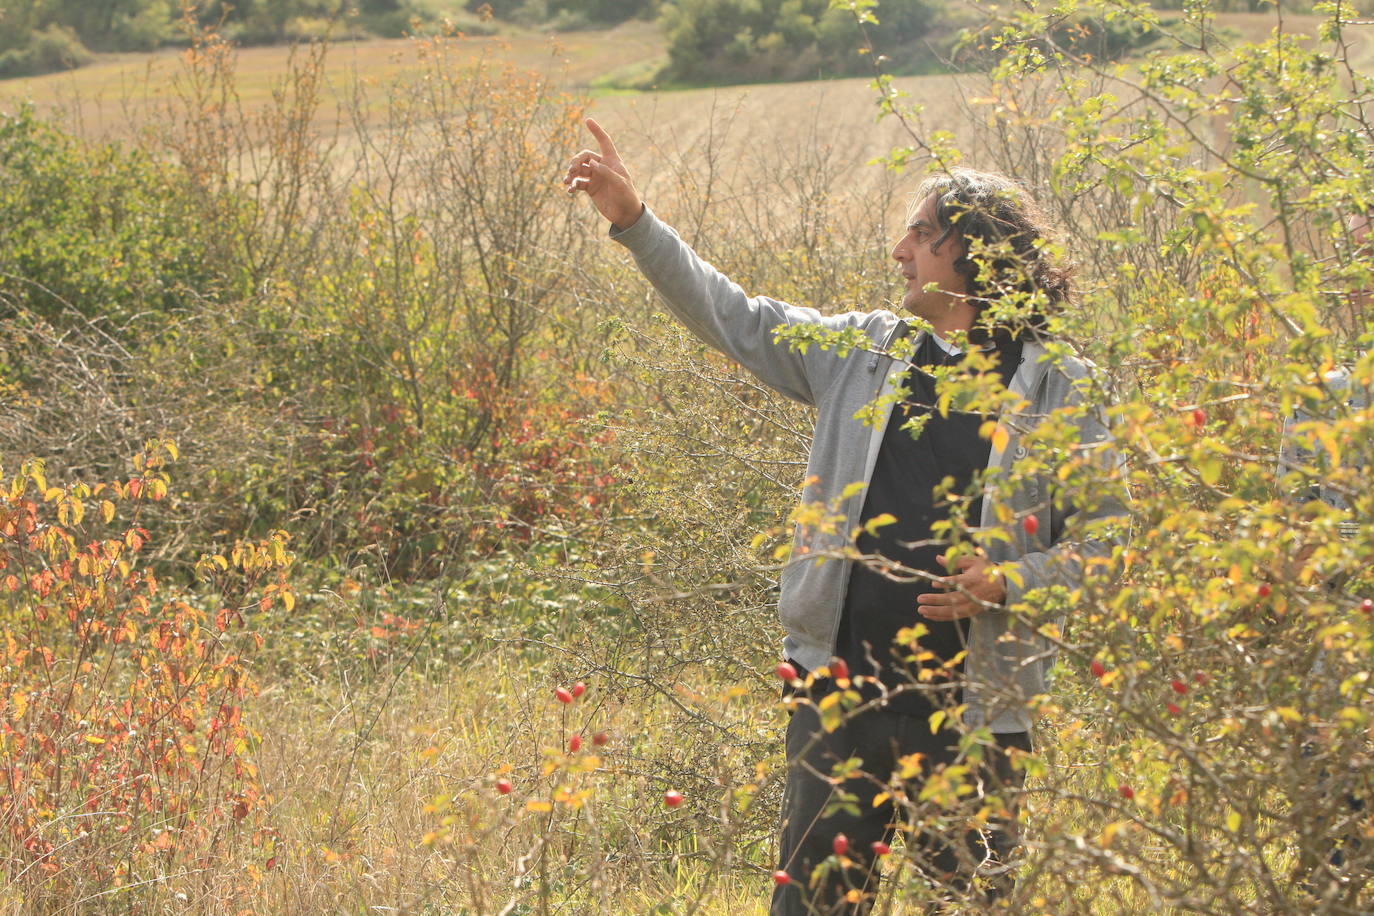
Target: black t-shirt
(908,473)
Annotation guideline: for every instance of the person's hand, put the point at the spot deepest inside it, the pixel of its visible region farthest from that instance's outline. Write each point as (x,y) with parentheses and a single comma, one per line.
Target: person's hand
(602,176)
(972,586)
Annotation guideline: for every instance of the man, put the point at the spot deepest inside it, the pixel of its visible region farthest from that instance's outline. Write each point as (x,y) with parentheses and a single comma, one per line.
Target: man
(846,611)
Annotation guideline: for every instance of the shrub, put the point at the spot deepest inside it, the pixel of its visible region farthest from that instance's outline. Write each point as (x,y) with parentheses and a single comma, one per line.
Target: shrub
(715,41)
(98,233)
(124,752)
(46,50)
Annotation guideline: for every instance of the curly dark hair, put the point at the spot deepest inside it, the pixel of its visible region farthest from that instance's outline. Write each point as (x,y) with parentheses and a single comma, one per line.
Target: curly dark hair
(1012,228)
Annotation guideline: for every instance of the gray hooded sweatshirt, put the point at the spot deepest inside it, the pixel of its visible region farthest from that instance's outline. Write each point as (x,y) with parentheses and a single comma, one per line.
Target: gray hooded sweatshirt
(1007,660)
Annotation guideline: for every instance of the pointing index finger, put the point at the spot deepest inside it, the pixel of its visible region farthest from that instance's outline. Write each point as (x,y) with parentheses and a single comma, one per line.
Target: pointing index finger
(604,139)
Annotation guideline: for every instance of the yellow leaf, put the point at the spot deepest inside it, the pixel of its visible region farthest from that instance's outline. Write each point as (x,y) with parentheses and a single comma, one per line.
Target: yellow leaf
(1000,438)
(94,739)
(878,521)
(881,798)
(107,511)
(852,490)
(1111,830)
(1233,821)
(20,702)
(539,806)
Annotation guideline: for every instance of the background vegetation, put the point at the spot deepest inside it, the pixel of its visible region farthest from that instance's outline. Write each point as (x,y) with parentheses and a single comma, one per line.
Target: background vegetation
(40,36)
(335,439)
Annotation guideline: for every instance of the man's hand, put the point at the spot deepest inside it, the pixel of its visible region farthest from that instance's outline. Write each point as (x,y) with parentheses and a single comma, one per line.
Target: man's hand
(973,585)
(604,178)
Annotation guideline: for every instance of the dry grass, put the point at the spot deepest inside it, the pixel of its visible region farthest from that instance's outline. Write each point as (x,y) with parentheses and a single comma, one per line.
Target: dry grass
(364,775)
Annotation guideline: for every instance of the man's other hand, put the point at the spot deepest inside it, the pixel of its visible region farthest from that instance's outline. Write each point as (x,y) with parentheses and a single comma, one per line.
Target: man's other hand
(973,586)
(604,178)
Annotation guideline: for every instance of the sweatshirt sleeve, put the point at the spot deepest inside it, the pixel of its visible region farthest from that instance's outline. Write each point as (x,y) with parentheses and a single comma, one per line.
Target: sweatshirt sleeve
(743,327)
(1063,561)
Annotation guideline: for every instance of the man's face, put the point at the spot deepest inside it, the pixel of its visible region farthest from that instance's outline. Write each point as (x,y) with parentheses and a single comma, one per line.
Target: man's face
(922,265)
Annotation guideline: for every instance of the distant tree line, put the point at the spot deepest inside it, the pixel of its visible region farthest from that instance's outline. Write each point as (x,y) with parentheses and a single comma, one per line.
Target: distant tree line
(40,36)
(764,40)
(709,41)
(735,41)
(726,41)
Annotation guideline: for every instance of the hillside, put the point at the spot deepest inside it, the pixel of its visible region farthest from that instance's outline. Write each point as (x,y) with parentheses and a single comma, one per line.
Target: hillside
(831,124)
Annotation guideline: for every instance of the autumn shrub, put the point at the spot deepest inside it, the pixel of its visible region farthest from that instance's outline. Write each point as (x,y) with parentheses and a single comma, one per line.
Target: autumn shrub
(126,758)
(388,357)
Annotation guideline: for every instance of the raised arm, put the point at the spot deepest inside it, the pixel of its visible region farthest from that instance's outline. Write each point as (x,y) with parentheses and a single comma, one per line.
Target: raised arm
(708,303)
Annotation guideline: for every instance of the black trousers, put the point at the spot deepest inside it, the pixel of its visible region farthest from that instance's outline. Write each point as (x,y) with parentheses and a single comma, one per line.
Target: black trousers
(880,739)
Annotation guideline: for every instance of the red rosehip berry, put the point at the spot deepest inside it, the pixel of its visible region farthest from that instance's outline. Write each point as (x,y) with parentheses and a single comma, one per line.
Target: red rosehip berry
(1030,524)
(839,669)
(563,695)
(1097,668)
(1126,791)
(880,848)
(781,877)
(575,744)
(840,844)
(1199,678)
(1264,590)
(1174,708)
(1367,605)
(578,689)
(1179,686)
(1199,417)
(786,672)
(601,738)
(504,786)
(672,798)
